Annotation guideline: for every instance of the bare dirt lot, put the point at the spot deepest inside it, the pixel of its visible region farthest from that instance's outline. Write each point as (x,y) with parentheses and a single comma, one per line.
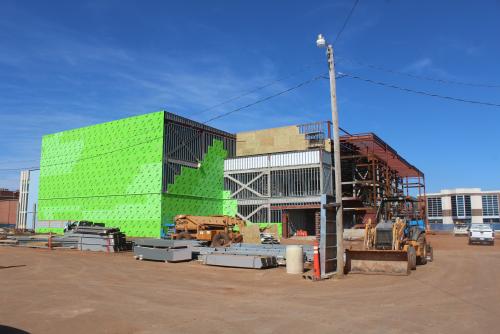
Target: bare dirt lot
(60,291)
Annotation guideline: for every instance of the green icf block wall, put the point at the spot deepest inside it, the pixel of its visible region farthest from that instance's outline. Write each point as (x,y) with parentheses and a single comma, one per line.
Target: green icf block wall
(112,173)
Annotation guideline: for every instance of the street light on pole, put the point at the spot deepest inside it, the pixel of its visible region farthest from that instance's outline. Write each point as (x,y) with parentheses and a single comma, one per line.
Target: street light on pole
(321,43)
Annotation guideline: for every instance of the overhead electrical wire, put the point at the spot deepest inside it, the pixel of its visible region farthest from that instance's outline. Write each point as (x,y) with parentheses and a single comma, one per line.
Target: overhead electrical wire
(303,83)
(156,138)
(251,91)
(16,169)
(420,92)
(339,34)
(421,77)
(102,154)
(306,67)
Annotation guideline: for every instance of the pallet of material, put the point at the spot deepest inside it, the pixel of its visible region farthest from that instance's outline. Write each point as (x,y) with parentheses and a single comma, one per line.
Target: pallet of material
(166,243)
(240,261)
(164,250)
(278,251)
(8,242)
(163,254)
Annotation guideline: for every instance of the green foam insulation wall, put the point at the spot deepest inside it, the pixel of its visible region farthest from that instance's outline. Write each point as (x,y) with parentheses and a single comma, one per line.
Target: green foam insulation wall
(111,173)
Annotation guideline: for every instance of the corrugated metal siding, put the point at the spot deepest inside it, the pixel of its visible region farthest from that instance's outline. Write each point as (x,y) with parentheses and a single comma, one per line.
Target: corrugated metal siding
(295,159)
(261,161)
(278,160)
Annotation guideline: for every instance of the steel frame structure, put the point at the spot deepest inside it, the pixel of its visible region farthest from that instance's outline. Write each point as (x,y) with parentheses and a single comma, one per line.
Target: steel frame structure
(373,170)
(267,186)
(185,144)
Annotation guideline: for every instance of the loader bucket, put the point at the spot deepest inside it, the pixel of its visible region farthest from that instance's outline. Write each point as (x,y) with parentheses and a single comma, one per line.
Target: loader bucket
(382,262)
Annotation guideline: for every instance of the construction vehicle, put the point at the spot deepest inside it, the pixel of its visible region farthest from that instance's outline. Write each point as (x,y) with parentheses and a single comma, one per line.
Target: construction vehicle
(219,231)
(394,243)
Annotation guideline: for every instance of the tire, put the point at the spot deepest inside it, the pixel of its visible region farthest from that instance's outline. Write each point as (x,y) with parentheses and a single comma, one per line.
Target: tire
(238,239)
(184,236)
(422,244)
(412,258)
(220,240)
(422,260)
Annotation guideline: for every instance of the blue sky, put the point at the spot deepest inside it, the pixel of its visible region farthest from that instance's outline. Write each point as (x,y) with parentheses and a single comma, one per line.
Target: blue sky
(67,64)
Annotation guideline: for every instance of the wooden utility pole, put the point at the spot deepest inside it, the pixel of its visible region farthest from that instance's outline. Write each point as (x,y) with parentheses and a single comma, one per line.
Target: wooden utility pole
(336,157)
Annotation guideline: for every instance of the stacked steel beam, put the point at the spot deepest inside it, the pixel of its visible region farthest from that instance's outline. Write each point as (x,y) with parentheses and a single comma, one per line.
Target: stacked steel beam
(98,238)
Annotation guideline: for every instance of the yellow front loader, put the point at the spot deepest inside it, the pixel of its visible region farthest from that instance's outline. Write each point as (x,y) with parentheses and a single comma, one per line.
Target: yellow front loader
(393,244)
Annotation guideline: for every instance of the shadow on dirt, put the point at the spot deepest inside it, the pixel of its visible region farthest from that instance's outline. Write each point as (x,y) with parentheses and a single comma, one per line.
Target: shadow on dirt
(7,267)
(11,330)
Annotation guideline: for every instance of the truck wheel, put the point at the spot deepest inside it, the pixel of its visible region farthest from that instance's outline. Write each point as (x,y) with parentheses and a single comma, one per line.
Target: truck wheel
(412,258)
(184,236)
(422,260)
(238,239)
(422,249)
(220,240)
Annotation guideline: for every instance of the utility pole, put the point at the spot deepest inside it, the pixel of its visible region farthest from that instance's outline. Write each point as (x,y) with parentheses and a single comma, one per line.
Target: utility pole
(321,42)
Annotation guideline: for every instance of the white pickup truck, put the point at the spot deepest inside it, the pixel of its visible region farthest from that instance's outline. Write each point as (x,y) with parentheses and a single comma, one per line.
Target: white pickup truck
(481,233)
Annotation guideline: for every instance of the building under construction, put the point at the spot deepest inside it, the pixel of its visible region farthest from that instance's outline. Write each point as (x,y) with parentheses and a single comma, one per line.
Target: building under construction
(279,175)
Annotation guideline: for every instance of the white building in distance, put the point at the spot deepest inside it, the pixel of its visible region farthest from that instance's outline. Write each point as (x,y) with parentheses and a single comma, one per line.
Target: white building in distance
(463,205)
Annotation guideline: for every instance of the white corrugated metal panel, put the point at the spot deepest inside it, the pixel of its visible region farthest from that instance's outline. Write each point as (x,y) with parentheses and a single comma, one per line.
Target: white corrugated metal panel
(295,159)
(277,160)
(244,163)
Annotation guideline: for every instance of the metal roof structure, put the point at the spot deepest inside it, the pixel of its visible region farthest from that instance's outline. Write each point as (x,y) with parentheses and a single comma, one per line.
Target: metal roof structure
(371,144)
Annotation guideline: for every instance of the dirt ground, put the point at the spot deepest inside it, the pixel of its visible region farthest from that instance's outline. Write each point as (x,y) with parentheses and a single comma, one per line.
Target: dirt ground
(74,292)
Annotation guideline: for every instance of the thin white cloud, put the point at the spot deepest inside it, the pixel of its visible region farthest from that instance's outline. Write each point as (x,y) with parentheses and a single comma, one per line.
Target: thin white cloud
(418,66)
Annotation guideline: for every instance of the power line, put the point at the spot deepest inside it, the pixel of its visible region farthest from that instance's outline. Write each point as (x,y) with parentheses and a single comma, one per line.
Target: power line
(16,169)
(345,22)
(490,104)
(156,138)
(303,83)
(246,93)
(104,153)
(84,158)
(210,120)
(421,77)
(281,78)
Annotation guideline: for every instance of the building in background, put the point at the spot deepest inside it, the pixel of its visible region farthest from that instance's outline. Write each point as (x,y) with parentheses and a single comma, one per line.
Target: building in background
(462,205)
(8,207)
(280,174)
(28,200)
(135,173)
